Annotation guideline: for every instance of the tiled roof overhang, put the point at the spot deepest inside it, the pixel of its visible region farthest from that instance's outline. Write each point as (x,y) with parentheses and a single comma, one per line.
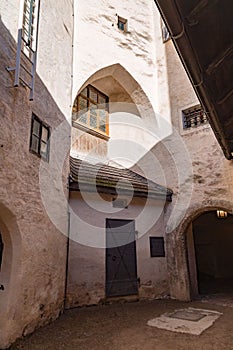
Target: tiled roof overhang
(107,179)
(202,33)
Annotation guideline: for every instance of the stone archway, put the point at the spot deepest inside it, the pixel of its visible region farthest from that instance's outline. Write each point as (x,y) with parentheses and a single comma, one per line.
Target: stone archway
(179,244)
(9,273)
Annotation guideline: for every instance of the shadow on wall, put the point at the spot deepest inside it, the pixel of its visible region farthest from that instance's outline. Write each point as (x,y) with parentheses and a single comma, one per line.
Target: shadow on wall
(134,127)
(30,238)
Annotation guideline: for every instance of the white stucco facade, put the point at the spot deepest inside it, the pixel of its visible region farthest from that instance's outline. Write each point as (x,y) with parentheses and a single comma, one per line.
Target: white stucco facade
(87,247)
(129,67)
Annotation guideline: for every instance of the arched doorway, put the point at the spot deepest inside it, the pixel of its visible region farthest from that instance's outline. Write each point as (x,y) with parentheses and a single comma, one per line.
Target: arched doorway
(210,259)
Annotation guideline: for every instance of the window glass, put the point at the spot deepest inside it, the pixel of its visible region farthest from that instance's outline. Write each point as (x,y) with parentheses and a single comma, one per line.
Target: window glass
(91,109)
(43,149)
(93,95)
(35,144)
(45,134)
(39,143)
(82,103)
(83,118)
(36,128)
(93,122)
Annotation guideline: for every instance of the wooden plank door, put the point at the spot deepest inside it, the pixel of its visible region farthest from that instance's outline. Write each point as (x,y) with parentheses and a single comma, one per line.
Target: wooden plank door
(121,264)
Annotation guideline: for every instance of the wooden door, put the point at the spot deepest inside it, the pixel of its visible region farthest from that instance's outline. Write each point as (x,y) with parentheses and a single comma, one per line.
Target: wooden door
(121,265)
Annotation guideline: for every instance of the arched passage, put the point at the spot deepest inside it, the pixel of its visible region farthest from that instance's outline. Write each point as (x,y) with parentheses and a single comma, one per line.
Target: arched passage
(181,260)
(211,259)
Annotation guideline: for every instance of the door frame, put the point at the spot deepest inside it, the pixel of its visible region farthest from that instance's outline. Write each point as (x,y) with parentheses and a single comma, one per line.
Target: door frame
(135,255)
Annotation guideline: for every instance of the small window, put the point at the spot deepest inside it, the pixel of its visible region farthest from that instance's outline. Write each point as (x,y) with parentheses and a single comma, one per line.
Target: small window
(157,247)
(122,24)
(90,110)
(193,117)
(39,143)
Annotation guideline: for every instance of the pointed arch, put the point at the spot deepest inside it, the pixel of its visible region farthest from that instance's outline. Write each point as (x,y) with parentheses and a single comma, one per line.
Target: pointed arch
(117,83)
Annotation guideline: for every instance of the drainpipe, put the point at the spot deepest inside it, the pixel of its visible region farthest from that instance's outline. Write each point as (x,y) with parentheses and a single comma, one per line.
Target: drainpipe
(68,211)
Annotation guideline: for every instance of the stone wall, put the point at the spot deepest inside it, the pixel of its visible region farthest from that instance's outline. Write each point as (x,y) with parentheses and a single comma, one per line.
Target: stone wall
(192,164)
(34,256)
(87,248)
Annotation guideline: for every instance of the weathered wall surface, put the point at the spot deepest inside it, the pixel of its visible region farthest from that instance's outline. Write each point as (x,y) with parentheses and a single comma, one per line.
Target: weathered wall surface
(193,165)
(33,266)
(87,269)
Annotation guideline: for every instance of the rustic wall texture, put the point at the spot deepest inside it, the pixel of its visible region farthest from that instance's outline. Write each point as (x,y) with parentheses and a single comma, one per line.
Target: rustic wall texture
(34,256)
(87,252)
(194,166)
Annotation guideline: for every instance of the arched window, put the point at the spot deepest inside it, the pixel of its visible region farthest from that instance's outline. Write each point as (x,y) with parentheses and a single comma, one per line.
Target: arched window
(90,111)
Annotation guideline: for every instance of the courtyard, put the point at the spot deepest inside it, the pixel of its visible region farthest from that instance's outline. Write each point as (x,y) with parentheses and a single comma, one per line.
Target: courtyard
(122,325)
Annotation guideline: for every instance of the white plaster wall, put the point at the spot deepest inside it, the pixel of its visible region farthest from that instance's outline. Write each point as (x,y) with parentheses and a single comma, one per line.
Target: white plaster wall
(192,164)
(98,43)
(54,55)
(86,276)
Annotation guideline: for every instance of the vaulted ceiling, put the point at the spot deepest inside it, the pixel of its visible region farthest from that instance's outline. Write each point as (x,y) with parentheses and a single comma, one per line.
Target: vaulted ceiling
(202,31)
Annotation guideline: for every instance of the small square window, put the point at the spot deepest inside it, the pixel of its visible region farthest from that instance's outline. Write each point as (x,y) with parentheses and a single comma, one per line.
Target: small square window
(39,142)
(122,24)
(157,247)
(193,117)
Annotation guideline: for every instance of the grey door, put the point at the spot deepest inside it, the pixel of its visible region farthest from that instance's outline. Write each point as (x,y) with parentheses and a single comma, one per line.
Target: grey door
(121,265)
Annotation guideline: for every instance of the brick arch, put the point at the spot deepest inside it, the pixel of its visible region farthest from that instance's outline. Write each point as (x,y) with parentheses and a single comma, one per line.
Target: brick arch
(177,261)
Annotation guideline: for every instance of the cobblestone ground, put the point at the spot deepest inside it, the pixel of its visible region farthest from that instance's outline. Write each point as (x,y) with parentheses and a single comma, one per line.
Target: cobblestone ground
(123,326)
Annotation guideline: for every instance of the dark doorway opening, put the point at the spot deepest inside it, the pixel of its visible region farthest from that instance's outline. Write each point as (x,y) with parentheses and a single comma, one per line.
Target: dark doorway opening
(213,242)
(121,265)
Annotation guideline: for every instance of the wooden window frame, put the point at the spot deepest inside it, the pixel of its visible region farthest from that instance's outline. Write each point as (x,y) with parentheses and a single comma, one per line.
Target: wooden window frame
(39,137)
(87,126)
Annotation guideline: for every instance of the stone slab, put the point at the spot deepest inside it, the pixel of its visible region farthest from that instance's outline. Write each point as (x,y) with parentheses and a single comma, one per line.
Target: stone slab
(191,320)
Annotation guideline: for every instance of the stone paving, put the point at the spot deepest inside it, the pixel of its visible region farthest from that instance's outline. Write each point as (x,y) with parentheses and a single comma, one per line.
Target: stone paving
(124,326)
